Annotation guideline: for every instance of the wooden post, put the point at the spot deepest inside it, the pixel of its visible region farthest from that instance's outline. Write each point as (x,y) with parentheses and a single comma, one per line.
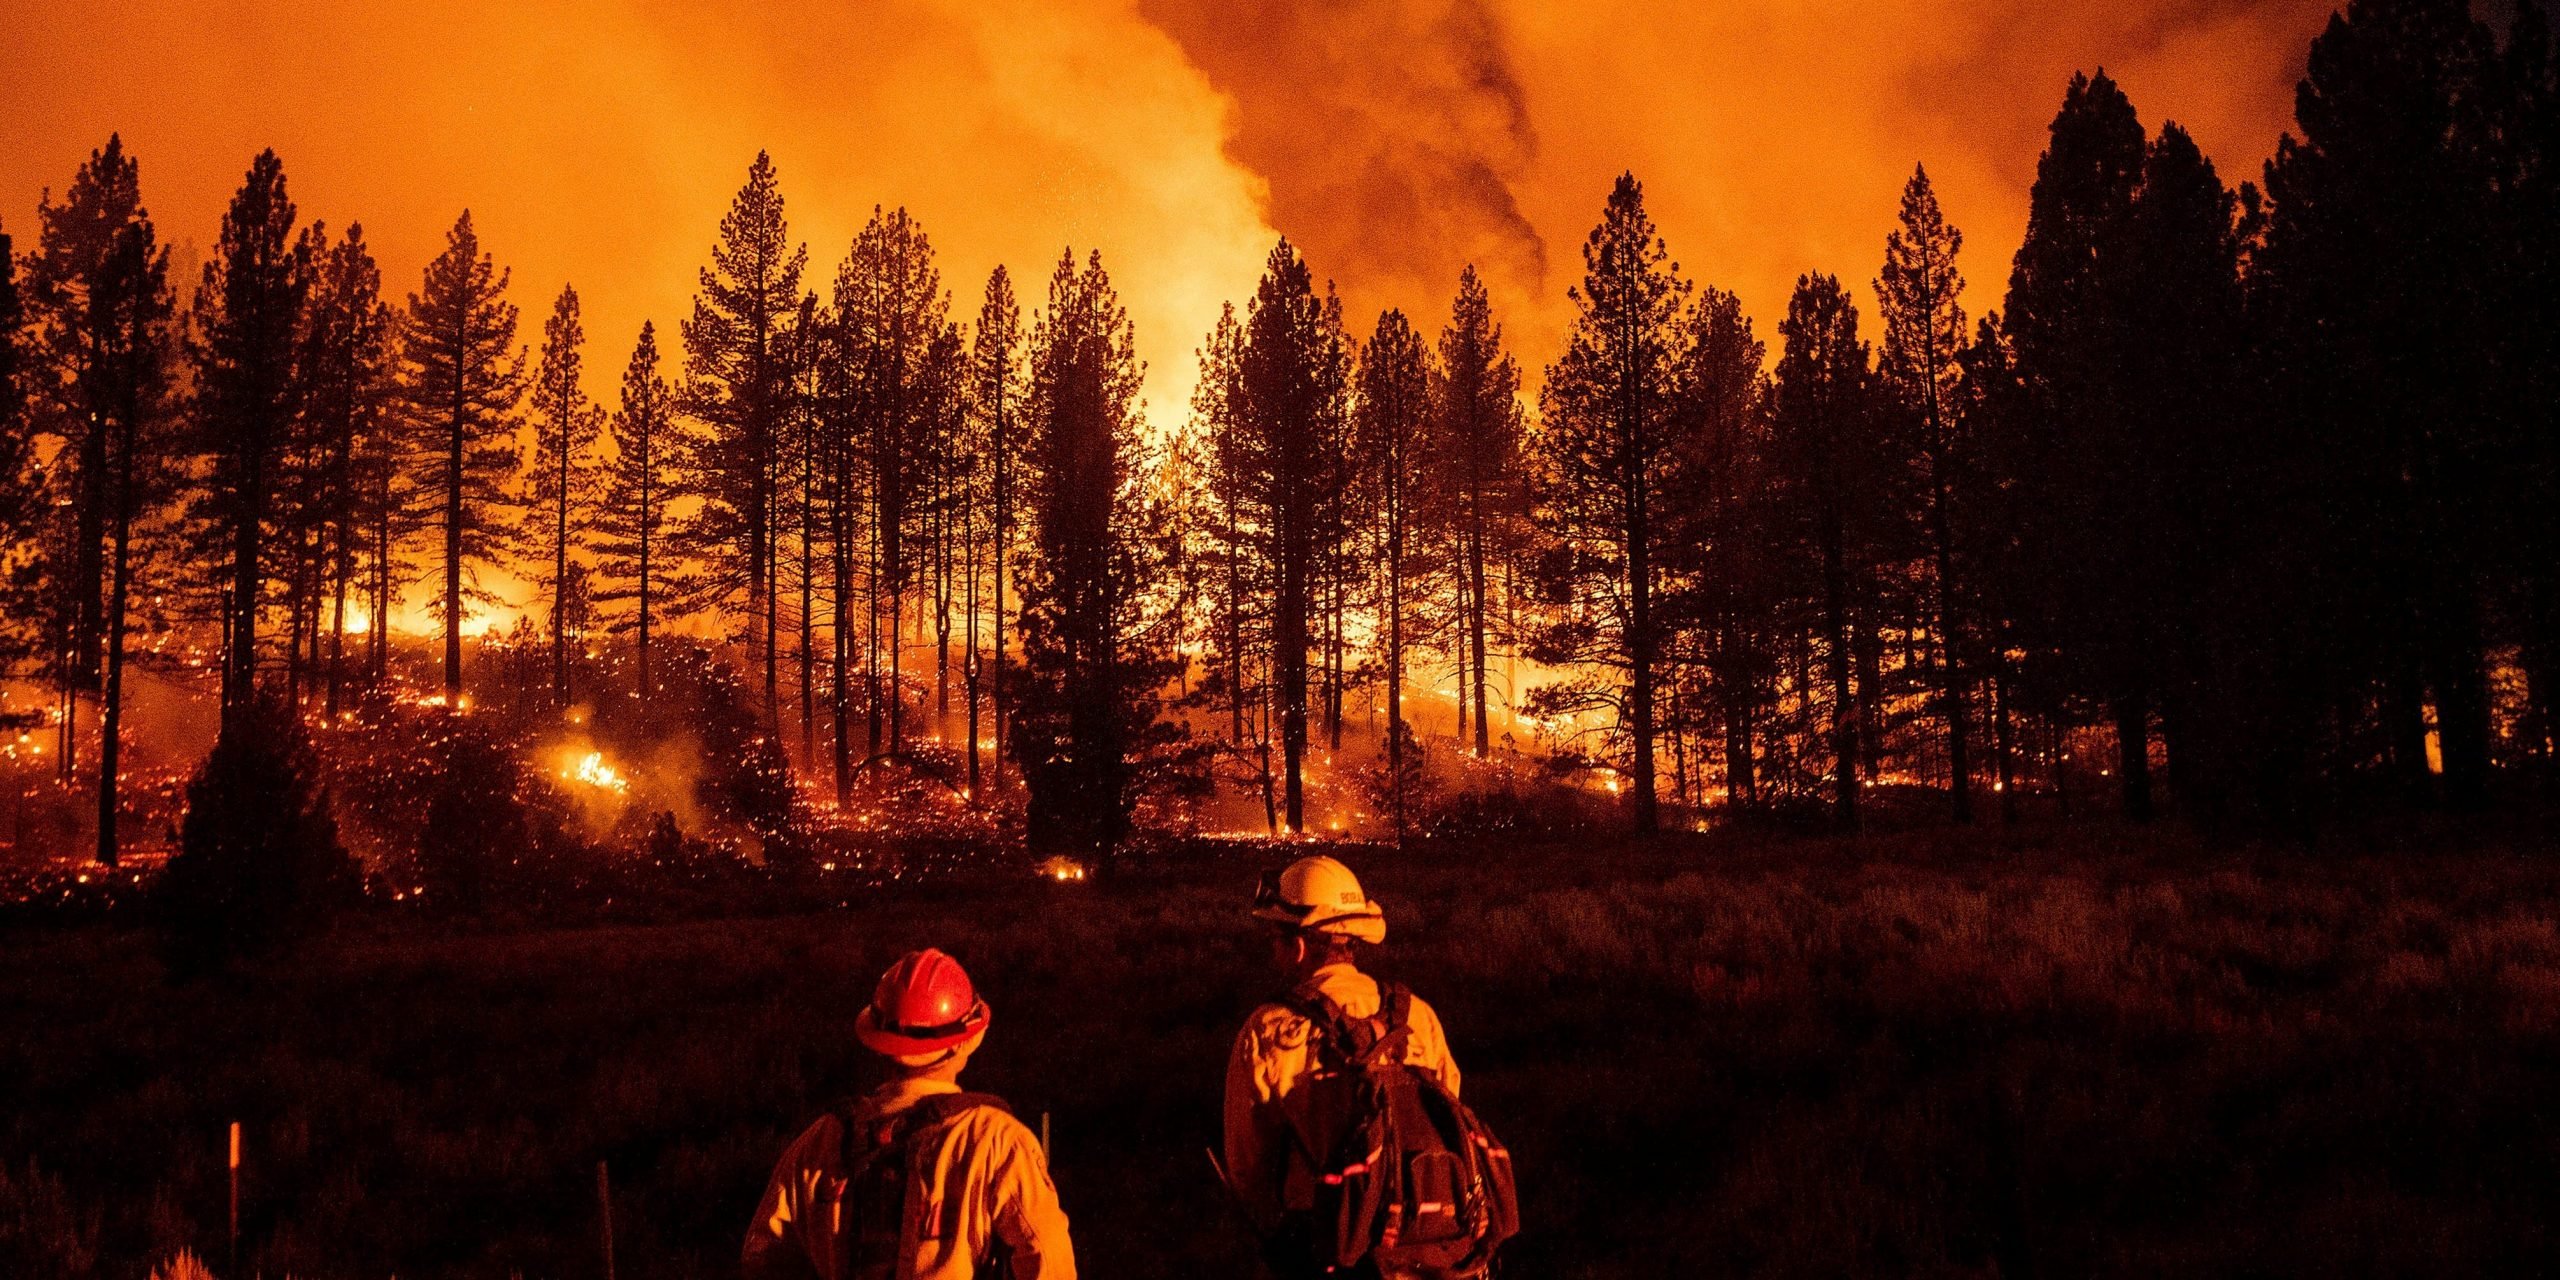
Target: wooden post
(604,1214)
(235,1198)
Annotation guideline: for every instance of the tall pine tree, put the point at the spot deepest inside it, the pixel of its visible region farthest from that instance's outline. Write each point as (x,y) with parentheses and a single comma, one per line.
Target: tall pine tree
(100,346)
(2082,534)
(640,482)
(1477,494)
(735,384)
(1290,459)
(461,376)
(1608,457)
(347,435)
(247,314)
(1094,629)
(560,506)
(1395,424)
(1917,298)
(1828,459)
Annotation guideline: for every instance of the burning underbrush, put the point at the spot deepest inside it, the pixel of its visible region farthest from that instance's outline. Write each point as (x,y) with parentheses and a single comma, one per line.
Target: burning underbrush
(509,802)
(511,805)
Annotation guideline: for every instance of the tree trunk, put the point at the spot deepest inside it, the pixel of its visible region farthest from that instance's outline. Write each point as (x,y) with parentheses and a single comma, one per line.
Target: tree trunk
(972,658)
(453,554)
(341,566)
(241,659)
(2003,747)
(1640,655)
(1475,633)
(1289,636)
(1951,682)
(111,706)
(560,586)
(1844,710)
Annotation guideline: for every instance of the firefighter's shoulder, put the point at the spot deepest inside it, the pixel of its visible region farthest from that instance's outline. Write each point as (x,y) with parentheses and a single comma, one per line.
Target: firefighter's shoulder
(987,1124)
(1277,1026)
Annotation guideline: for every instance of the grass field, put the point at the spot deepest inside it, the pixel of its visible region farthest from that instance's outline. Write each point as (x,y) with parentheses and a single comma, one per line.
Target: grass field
(2089,1053)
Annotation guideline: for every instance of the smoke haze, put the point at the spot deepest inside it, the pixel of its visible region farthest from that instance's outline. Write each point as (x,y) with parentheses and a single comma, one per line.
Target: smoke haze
(598,142)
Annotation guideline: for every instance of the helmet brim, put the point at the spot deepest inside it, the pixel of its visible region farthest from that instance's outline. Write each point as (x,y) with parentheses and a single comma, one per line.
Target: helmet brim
(1369,924)
(895,1043)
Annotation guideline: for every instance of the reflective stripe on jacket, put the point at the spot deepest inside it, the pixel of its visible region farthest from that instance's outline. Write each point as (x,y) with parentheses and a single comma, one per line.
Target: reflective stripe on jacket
(1272,1054)
(984,1180)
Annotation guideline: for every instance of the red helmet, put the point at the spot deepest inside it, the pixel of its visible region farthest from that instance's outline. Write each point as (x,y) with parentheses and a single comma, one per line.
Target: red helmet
(924,1004)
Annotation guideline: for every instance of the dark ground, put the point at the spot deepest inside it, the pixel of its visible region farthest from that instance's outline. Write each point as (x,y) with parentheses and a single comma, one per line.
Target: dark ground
(2084,1054)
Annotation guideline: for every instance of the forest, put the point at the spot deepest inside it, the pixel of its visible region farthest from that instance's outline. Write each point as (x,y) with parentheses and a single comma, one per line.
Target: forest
(1882,788)
(2240,507)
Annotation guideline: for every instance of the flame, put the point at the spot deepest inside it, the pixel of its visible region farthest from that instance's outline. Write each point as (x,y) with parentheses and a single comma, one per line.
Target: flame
(1064,870)
(592,770)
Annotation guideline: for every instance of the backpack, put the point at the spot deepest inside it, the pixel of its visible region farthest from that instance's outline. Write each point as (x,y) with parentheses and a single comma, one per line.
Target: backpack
(877,1156)
(1409,1183)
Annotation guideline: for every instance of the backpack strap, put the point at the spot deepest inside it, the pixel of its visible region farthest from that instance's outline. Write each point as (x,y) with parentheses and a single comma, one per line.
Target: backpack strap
(858,1143)
(1358,1043)
(1395,1013)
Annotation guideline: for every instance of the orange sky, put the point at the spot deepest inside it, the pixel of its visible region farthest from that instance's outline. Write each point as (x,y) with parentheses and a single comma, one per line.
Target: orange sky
(597,142)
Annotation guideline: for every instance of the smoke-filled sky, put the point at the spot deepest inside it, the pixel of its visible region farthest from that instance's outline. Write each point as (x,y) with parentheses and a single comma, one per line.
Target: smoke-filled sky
(597,141)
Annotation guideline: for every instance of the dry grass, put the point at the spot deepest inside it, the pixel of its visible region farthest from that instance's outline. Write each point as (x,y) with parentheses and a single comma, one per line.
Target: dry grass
(2084,1054)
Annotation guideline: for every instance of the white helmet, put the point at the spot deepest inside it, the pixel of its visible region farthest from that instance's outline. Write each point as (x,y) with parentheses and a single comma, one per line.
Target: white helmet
(1321,895)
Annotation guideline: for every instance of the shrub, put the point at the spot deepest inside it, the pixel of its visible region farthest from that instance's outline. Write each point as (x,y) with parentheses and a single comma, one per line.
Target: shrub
(258,865)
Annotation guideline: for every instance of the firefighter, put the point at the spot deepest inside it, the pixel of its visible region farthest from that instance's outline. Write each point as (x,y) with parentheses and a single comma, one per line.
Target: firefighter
(917,1180)
(1319,921)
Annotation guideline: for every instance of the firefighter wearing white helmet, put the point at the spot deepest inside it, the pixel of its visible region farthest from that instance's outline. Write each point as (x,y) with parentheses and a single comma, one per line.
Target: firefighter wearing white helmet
(1320,921)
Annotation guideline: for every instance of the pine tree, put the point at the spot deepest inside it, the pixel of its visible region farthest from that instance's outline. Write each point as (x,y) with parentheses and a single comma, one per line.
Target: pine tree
(2081,538)
(2378,263)
(735,385)
(2197,460)
(995,359)
(248,311)
(1395,426)
(1828,458)
(100,347)
(640,482)
(836,414)
(1475,393)
(462,376)
(21,481)
(890,303)
(945,461)
(1721,561)
(344,433)
(806,353)
(559,508)
(1094,630)
(1288,454)
(1917,298)
(1607,458)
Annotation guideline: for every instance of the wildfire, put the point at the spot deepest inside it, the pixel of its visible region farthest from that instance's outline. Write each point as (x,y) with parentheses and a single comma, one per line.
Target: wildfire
(592,770)
(1064,870)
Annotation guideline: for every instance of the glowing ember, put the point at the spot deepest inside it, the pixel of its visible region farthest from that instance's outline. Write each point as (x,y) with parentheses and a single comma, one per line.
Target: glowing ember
(1064,870)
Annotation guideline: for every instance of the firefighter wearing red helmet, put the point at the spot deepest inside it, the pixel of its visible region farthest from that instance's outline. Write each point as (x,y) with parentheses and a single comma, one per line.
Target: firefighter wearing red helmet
(917,1180)
(1319,920)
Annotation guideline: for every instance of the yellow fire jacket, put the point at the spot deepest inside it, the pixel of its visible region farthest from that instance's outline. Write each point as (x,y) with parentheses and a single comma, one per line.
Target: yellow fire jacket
(981,1180)
(1272,1054)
